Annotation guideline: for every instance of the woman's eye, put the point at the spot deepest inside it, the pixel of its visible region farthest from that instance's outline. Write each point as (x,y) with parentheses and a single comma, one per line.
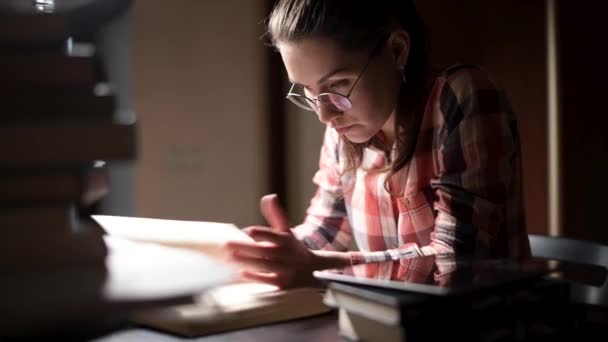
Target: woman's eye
(338,84)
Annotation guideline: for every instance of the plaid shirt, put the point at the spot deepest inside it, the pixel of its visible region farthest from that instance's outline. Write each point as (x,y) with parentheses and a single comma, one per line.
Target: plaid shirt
(461,190)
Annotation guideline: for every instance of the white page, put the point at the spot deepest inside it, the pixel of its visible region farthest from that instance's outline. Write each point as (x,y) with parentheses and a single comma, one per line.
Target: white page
(144,271)
(206,237)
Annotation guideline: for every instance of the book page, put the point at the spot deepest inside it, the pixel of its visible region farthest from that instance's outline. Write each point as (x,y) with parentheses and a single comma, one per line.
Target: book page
(149,271)
(201,236)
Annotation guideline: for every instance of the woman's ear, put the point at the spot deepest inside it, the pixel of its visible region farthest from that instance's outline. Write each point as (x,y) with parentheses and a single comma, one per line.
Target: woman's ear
(399,45)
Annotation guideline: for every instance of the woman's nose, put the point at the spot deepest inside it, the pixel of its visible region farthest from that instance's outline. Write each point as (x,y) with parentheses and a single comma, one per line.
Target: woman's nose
(326,115)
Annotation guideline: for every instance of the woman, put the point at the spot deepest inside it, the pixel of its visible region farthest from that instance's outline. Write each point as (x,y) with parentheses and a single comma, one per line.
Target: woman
(414,162)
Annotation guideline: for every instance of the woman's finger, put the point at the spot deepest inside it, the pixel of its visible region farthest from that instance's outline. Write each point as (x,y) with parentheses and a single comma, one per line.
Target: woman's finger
(267,278)
(252,249)
(247,230)
(266,234)
(258,264)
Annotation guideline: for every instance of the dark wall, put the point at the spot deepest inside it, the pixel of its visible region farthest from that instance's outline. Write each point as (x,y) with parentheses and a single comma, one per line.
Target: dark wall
(582,89)
(506,37)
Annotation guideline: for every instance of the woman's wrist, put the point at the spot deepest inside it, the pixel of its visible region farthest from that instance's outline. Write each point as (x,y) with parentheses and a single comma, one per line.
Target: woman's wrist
(330,259)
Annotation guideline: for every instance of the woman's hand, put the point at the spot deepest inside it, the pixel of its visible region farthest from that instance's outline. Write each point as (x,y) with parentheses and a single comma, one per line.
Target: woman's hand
(277,257)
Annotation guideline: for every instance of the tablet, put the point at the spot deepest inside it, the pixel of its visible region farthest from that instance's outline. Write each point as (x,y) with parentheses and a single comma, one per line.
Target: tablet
(441,275)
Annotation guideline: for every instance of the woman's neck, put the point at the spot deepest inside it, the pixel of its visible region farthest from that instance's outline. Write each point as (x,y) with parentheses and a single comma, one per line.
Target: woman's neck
(388,130)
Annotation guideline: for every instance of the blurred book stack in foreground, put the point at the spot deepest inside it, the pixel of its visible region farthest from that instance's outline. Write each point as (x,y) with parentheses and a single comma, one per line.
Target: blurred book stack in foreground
(57,131)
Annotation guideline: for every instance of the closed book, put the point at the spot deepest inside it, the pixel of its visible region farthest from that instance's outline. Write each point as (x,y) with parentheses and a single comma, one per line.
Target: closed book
(48,250)
(40,21)
(33,145)
(50,70)
(15,27)
(377,314)
(53,109)
(235,306)
(367,314)
(356,327)
(84,185)
(46,217)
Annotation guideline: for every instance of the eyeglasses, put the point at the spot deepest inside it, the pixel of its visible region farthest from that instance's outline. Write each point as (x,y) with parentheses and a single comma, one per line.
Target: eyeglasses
(333,101)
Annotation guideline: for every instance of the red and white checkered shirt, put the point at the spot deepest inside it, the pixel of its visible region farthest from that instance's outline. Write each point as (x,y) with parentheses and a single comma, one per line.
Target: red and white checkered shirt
(462,188)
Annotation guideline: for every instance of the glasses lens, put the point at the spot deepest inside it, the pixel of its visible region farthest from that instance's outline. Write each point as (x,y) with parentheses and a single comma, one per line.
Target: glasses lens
(335,102)
(302,102)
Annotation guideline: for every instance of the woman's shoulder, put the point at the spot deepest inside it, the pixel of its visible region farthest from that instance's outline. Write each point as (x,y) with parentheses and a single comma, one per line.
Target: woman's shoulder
(466,91)
(461,70)
(465,80)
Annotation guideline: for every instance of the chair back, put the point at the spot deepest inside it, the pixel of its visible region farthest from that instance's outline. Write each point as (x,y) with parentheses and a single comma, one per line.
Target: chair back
(576,251)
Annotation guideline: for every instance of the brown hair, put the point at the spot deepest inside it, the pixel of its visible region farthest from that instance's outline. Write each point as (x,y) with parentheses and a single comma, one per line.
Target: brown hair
(358,26)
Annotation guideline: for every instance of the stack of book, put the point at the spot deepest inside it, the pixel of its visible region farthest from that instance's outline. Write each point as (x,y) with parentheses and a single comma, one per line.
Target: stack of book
(56,134)
(470,304)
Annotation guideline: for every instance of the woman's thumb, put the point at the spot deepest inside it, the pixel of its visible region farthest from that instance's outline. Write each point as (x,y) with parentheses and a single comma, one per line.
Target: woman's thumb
(273,213)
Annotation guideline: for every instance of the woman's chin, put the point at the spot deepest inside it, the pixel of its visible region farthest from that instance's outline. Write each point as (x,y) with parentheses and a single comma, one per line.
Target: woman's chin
(355,138)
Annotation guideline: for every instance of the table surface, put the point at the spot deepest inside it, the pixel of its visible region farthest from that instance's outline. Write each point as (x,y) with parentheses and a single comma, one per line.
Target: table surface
(321,328)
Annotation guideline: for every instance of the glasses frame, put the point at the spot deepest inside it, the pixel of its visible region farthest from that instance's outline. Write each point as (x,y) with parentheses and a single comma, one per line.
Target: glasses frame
(314,106)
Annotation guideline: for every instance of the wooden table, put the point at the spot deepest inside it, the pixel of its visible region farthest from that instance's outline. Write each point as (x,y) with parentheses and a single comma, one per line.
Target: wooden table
(320,328)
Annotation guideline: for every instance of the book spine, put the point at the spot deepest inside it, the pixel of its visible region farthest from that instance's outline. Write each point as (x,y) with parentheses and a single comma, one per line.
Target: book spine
(39,145)
(46,109)
(46,250)
(24,187)
(59,216)
(48,70)
(42,28)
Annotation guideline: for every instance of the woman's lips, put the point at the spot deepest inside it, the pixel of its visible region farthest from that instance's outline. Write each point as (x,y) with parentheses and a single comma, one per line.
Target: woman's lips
(342,130)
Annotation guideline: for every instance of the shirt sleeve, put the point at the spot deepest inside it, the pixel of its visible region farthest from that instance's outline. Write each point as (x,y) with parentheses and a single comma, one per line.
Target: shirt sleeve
(477,158)
(326,225)
(478,163)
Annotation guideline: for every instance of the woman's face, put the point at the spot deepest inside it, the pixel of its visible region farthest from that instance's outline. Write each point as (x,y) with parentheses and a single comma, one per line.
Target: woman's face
(319,66)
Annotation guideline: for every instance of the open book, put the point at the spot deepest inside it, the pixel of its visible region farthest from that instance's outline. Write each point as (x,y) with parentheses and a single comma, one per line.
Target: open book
(204,237)
(227,307)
